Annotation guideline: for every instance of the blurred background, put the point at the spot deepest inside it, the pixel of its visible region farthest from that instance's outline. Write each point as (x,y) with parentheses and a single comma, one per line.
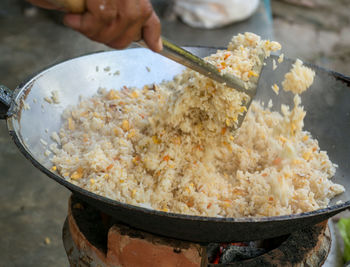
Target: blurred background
(32,207)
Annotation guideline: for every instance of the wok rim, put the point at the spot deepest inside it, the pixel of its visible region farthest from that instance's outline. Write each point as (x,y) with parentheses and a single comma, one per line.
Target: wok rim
(22,87)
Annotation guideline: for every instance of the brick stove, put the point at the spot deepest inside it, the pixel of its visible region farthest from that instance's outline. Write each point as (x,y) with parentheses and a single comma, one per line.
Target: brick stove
(92,239)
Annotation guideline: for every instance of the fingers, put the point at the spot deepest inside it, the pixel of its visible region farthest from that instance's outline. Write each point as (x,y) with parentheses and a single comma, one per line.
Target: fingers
(86,24)
(133,33)
(103,10)
(99,16)
(117,23)
(151,33)
(127,25)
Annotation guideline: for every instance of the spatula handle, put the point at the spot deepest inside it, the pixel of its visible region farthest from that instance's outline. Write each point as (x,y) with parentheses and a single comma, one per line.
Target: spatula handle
(184,57)
(72,6)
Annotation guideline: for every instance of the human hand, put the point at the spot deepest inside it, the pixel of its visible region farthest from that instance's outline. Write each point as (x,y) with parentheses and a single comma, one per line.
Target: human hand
(115,23)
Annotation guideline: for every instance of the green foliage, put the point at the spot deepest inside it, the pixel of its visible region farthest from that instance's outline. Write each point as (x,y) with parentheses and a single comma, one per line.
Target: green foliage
(344,229)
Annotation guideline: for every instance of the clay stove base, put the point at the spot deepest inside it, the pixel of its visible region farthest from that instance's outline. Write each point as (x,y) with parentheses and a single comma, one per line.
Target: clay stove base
(89,242)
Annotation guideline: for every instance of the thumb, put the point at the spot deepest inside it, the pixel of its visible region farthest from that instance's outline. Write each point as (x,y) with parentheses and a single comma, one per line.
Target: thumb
(151,33)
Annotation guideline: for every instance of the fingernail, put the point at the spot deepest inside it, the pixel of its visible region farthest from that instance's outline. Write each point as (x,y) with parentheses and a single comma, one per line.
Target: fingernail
(160,44)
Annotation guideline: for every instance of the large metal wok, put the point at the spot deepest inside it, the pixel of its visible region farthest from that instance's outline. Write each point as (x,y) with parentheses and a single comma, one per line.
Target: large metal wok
(327,104)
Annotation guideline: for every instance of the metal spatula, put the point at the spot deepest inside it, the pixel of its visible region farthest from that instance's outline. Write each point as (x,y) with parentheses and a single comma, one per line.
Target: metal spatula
(180,55)
(186,58)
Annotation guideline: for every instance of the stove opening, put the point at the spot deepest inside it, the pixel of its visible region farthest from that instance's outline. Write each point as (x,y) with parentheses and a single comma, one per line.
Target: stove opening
(226,253)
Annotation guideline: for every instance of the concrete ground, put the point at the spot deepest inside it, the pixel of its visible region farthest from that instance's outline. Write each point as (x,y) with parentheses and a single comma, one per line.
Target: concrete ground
(317,31)
(32,207)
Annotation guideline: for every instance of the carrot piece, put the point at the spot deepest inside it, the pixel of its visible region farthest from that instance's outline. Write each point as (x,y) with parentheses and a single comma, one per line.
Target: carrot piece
(277,161)
(110,166)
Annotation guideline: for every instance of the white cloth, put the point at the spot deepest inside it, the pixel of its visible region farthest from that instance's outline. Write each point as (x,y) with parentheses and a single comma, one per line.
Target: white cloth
(211,14)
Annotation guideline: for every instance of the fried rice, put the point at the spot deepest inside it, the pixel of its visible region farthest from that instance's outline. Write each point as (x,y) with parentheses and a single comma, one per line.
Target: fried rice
(169,146)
